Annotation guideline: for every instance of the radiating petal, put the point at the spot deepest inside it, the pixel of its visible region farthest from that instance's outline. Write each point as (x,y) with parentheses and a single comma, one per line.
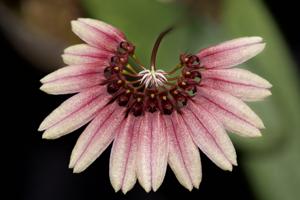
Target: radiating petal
(205,142)
(231,53)
(74,84)
(144,152)
(230,121)
(96,137)
(96,35)
(102,26)
(230,104)
(83,53)
(210,136)
(238,82)
(159,151)
(72,71)
(121,157)
(184,157)
(130,176)
(73,107)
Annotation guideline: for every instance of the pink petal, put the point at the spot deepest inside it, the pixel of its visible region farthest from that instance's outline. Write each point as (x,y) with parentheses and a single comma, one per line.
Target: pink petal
(205,142)
(152,151)
(231,53)
(73,113)
(238,82)
(184,157)
(83,53)
(102,26)
(144,153)
(72,84)
(210,136)
(96,137)
(123,154)
(230,121)
(230,104)
(97,34)
(159,150)
(72,79)
(130,176)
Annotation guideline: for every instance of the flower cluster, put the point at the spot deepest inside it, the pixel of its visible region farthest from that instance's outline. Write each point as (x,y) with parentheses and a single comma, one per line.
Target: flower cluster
(153,117)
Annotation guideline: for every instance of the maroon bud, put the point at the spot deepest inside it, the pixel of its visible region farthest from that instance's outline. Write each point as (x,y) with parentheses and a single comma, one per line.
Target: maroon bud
(137,109)
(152,107)
(194,60)
(195,74)
(127,47)
(191,89)
(108,72)
(184,58)
(113,87)
(115,61)
(124,99)
(124,59)
(167,107)
(181,99)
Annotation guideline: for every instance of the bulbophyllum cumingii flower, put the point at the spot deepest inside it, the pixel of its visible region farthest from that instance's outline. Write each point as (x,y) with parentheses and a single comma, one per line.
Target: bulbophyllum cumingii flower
(153,117)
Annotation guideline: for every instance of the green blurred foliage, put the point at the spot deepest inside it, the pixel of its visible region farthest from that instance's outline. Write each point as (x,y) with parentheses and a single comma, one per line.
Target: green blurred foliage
(271,162)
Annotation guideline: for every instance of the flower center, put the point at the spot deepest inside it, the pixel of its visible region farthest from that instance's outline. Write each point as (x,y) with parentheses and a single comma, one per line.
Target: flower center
(152,78)
(143,90)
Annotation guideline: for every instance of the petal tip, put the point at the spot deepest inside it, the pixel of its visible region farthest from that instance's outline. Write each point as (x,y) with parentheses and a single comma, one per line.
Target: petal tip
(77,170)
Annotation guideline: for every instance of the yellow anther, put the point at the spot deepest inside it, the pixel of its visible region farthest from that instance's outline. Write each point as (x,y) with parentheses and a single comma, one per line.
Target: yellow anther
(119,82)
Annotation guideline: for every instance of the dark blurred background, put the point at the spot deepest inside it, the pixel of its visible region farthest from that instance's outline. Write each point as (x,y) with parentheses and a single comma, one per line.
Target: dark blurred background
(33,34)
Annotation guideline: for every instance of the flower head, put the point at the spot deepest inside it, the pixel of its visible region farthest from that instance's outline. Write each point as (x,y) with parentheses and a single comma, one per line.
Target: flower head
(153,117)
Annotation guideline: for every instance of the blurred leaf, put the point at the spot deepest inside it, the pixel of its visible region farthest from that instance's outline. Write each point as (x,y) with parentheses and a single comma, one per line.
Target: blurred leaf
(274,169)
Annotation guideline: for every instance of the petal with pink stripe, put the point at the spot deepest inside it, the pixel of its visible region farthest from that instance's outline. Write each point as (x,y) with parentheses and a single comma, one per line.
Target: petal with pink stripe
(159,150)
(203,138)
(231,122)
(231,53)
(238,82)
(230,104)
(96,35)
(73,113)
(210,136)
(184,157)
(83,53)
(96,137)
(122,159)
(72,79)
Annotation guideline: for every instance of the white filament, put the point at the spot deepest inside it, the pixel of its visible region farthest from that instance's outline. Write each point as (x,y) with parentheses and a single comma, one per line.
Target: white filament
(153,78)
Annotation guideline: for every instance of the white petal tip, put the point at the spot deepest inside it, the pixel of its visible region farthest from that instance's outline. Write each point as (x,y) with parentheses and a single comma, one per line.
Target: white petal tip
(45,88)
(71,164)
(49,135)
(77,170)
(42,127)
(147,189)
(116,189)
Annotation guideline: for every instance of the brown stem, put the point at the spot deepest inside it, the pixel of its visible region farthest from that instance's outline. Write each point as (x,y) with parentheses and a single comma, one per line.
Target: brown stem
(156,45)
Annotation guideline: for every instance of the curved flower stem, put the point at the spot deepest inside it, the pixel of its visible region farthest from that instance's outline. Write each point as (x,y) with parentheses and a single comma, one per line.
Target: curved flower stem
(155,48)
